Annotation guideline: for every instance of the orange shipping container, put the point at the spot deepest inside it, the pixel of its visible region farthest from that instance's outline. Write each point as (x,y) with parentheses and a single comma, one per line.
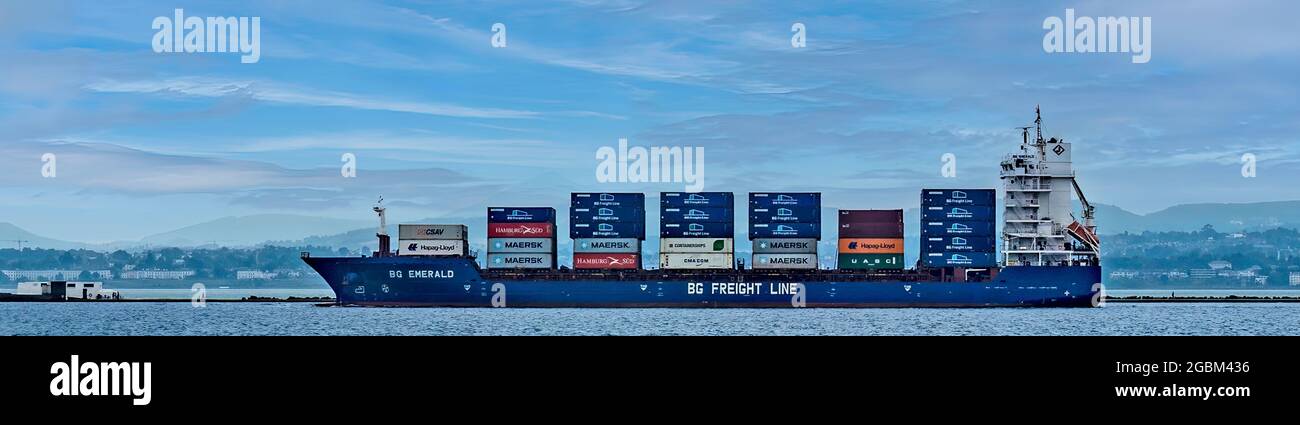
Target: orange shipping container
(871,246)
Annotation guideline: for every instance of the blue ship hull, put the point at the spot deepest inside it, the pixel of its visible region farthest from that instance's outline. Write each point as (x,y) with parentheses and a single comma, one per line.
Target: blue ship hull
(458,282)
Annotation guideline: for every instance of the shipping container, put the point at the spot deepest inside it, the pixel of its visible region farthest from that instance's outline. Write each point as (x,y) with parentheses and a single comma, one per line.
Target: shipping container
(514,245)
(871,246)
(696,261)
(958,244)
(785,199)
(607,246)
(520,261)
(956,228)
(959,259)
(696,245)
(696,215)
(871,261)
(607,215)
(871,216)
(592,200)
(780,214)
(958,197)
(697,230)
(610,261)
(871,230)
(700,199)
(430,247)
(432,231)
(960,213)
(785,246)
(521,215)
(521,230)
(606,230)
(785,261)
(785,230)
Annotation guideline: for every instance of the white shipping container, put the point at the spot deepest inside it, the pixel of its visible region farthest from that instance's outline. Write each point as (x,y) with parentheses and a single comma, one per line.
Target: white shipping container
(785,246)
(515,245)
(520,261)
(785,261)
(606,246)
(431,231)
(696,261)
(696,245)
(430,247)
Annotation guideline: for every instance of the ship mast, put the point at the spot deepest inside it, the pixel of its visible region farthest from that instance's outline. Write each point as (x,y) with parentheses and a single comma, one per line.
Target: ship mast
(382,234)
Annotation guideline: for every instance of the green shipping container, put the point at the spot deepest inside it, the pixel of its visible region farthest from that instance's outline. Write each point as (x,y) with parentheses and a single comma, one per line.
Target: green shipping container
(871,261)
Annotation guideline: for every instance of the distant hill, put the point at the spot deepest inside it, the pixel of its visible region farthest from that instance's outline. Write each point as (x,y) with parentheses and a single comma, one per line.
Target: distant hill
(1224,217)
(10,234)
(252,230)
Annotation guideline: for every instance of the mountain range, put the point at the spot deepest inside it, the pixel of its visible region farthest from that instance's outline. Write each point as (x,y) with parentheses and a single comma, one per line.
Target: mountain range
(286,229)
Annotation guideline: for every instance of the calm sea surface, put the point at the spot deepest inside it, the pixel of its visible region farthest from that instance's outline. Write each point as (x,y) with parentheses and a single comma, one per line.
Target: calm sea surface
(180,318)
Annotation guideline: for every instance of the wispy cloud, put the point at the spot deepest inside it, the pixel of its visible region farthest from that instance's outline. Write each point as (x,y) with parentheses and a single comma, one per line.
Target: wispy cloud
(273,92)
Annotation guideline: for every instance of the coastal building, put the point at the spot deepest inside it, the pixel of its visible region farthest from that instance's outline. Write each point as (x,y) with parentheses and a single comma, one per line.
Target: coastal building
(21,275)
(157,274)
(253,274)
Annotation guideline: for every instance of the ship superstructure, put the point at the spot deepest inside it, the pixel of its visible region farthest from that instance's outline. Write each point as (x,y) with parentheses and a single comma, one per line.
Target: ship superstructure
(1039,225)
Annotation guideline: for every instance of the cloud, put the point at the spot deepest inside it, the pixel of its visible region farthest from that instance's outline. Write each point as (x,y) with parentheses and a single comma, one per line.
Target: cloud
(277,93)
(106,168)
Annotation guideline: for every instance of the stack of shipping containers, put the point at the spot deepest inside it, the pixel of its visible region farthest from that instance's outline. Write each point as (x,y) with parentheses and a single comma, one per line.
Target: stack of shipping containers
(697,230)
(521,238)
(957,228)
(432,239)
(871,239)
(785,228)
(607,230)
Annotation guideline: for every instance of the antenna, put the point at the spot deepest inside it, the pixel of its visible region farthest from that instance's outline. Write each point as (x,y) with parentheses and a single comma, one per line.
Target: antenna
(1024,133)
(1038,123)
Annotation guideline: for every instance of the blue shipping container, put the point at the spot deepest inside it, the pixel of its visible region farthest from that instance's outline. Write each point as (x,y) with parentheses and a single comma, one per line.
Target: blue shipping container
(697,230)
(521,215)
(962,213)
(959,259)
(606,214)
(957,244)
(606,230)
(971,197)
(787,199)
(696,215)
(956,228)
(587,200)
(701,199)
(785,230)
(779,214)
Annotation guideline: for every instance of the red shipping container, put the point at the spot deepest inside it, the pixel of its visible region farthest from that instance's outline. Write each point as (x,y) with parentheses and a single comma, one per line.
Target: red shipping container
(871,216)
(607,261)
(521,230)
(871,230)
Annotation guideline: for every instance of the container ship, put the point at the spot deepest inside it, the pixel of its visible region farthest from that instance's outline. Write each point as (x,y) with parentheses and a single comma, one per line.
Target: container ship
(1042,256)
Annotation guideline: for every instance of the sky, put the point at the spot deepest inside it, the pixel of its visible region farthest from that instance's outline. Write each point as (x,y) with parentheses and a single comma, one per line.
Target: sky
(442,123)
